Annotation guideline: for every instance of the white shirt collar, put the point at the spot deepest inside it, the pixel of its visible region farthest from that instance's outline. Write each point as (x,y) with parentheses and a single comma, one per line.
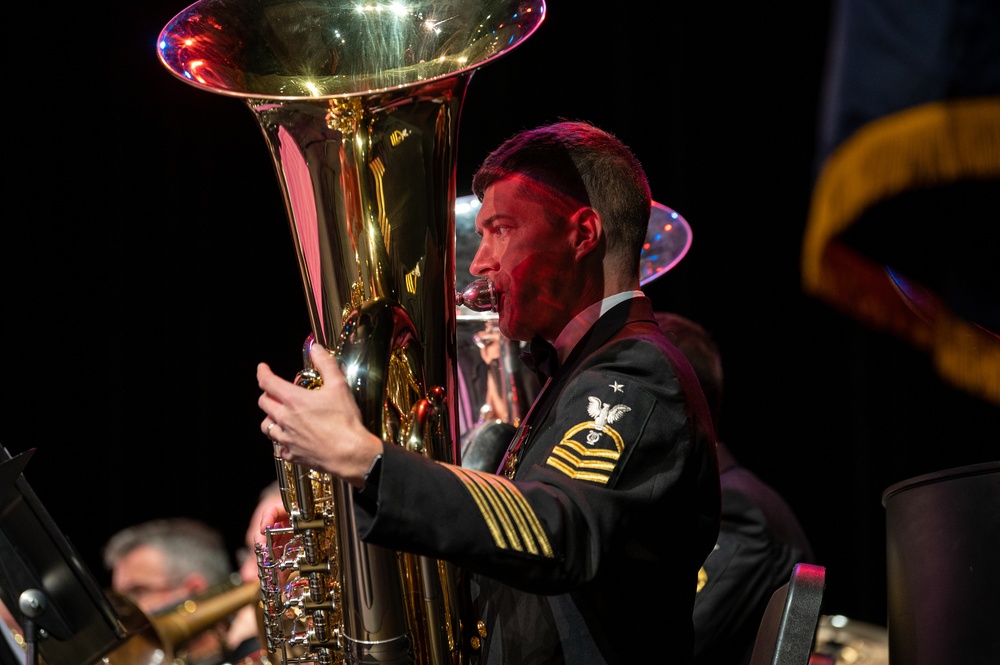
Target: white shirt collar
(582,322)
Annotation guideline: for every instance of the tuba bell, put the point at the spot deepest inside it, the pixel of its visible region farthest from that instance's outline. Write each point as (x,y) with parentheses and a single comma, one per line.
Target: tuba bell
(359,106)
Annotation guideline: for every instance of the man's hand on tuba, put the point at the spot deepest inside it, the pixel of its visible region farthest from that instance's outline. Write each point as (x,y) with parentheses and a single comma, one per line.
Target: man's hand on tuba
(320,428)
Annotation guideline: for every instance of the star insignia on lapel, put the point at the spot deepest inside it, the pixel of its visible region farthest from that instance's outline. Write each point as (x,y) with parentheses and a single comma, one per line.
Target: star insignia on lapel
(617,387)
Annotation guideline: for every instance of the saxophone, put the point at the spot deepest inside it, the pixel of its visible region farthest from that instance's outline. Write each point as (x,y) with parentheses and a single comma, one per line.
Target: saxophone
(359,105)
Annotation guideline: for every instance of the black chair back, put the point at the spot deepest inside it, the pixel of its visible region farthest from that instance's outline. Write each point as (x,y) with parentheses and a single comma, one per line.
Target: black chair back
(788,629)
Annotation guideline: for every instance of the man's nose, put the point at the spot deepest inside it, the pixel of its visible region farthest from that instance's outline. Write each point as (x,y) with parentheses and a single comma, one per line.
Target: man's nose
(482,261)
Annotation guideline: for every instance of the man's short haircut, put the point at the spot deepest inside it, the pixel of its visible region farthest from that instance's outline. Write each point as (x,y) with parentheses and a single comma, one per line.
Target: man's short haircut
(588,164)
(188,545)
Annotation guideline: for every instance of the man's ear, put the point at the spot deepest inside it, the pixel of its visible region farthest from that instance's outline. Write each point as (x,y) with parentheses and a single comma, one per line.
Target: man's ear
(587,231)
(195,584)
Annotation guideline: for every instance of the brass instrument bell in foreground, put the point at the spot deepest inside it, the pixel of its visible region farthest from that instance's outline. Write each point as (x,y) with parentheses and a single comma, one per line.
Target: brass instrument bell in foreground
(154,639)
(359,105)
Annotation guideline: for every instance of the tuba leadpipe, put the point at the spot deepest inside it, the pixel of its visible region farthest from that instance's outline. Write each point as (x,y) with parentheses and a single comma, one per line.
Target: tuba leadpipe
(359,106)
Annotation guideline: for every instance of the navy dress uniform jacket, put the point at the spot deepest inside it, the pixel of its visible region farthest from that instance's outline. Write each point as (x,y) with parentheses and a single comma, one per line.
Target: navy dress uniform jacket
(760,541)
(591,553)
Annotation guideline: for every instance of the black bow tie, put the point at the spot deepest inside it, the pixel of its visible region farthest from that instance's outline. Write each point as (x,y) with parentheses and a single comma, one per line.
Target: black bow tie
(541,358)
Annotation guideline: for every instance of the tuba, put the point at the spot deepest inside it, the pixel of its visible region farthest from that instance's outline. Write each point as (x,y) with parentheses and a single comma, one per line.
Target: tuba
(359,106)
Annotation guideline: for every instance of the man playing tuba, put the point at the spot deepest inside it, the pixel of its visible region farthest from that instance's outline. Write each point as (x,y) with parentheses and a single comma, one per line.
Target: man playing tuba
(593,515)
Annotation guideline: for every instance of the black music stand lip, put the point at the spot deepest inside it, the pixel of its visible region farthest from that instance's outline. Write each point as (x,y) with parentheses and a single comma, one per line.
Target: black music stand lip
(38,562)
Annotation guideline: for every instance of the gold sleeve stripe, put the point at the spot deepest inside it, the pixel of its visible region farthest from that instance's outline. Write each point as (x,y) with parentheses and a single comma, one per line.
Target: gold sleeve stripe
(528,519)
(586,459)
(521,512)
(500,508)
(507,498)
(577,463)
(583,450)
(481,502)
(599,478)
(574,472)
(507,514)
(508,505)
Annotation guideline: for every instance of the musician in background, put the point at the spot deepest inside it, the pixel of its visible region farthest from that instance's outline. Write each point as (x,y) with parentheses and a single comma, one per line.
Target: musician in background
(161,563)
(607,501)
(243,638)
(760,539)
(493,378)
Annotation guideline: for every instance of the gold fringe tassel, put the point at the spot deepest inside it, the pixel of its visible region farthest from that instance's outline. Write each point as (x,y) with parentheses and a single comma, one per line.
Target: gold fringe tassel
(929,145)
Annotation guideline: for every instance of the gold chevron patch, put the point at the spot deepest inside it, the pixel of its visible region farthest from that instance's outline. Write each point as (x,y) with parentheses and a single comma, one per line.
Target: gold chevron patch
(594,459)
(506,513)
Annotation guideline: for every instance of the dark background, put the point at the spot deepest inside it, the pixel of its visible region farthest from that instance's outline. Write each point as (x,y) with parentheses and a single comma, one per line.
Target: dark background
(148,267)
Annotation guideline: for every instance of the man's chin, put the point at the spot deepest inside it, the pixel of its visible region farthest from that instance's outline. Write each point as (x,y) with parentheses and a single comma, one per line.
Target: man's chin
(503,324)
(512,331)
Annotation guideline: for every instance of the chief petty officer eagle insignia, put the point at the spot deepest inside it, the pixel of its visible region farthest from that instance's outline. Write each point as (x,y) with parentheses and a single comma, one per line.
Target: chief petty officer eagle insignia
(595,457)
(603,414)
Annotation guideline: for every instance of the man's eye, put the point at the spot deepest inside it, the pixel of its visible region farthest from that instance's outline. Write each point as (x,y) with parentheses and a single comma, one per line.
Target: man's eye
(140,591)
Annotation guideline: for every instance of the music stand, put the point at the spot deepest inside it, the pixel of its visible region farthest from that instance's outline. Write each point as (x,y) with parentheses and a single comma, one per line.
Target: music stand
(63,613)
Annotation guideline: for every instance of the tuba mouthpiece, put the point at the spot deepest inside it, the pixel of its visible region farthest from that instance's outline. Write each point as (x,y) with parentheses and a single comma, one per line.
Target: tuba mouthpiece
(478,296)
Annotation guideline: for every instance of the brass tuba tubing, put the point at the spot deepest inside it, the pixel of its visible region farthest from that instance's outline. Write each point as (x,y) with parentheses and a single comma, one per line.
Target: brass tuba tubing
(194,617)
(359,106)
(153,640)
